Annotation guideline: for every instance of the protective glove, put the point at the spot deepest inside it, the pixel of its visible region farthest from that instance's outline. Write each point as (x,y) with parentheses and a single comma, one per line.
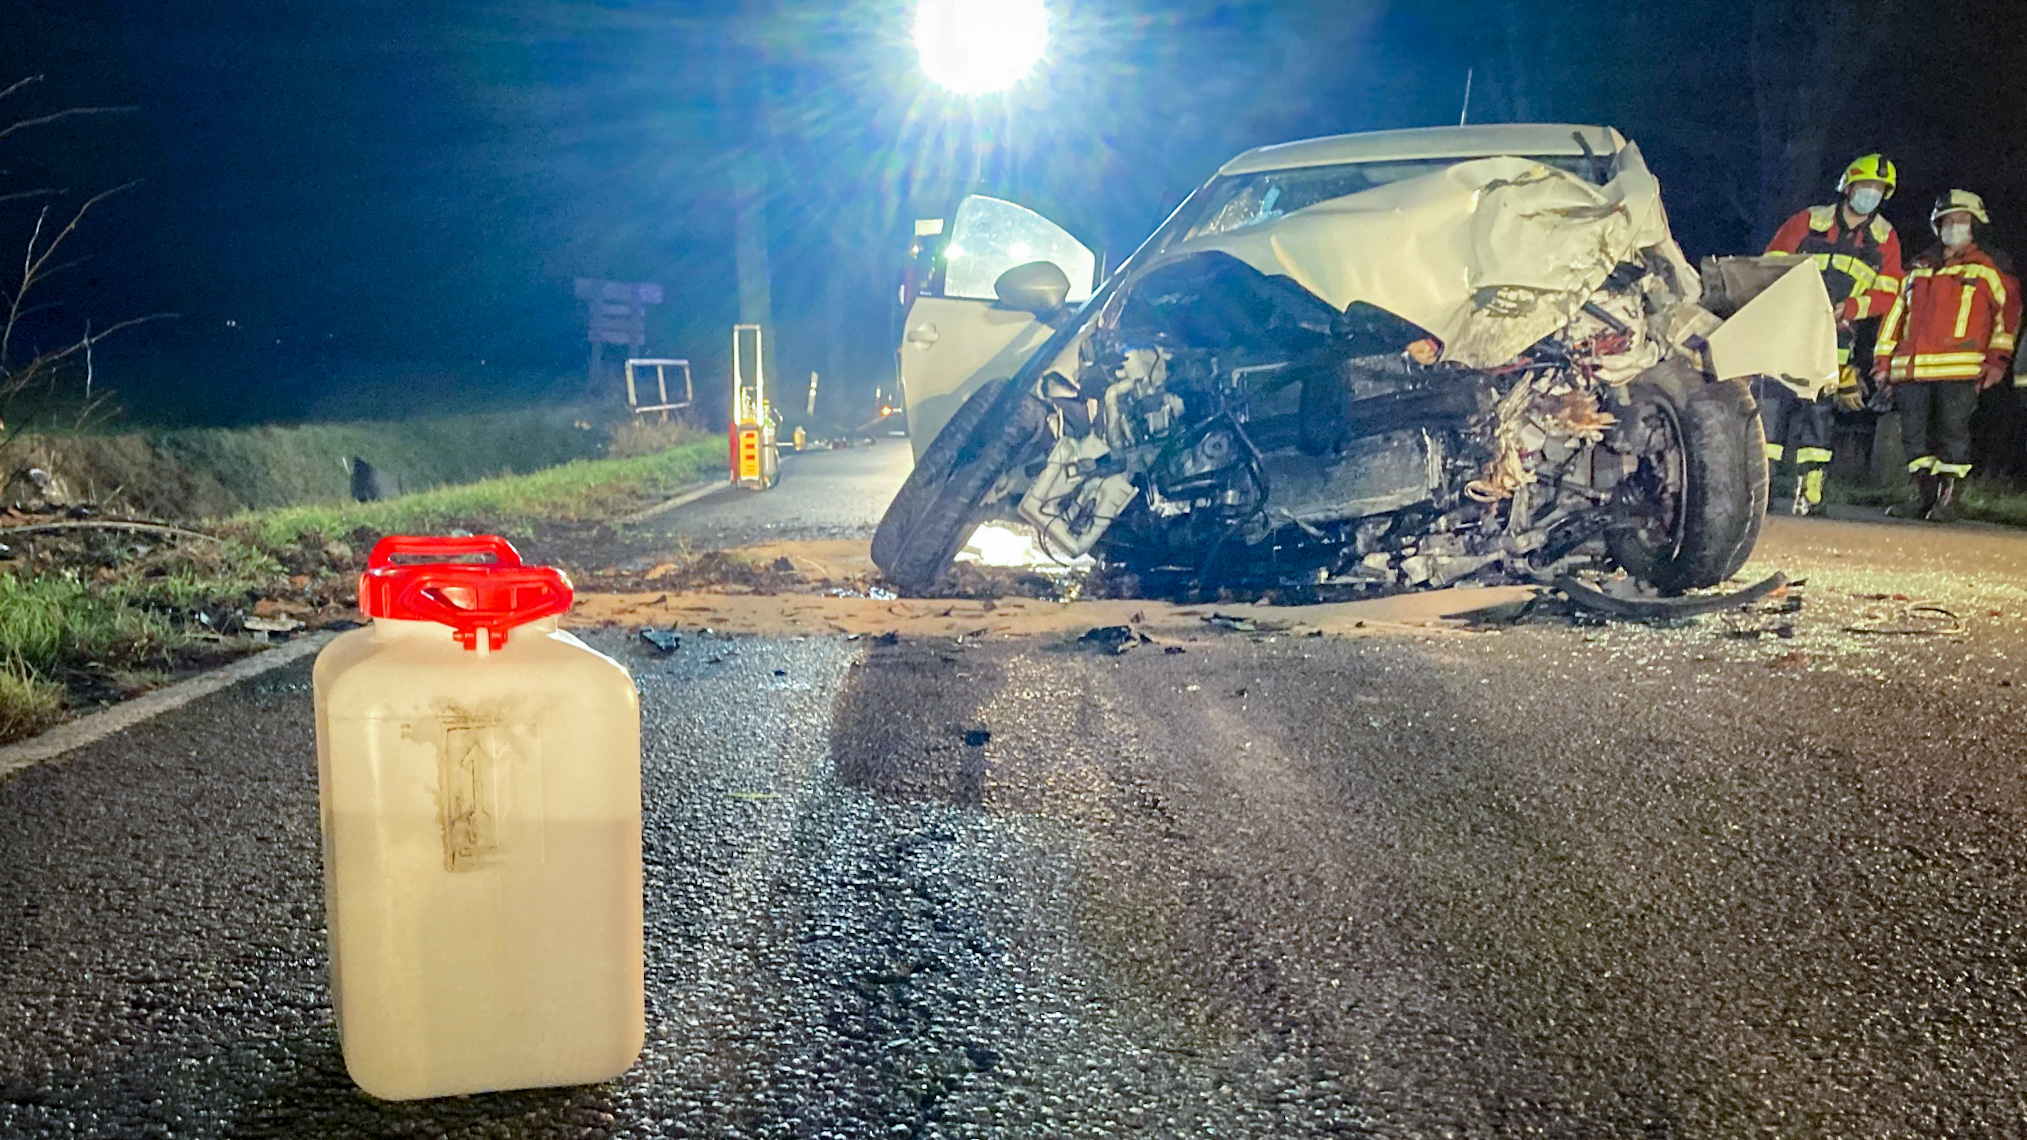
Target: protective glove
(1849,395)
(1881,399)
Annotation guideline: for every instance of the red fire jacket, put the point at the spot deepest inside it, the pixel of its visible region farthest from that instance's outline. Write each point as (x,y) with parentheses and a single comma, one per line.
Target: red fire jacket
(1957,315)
(1861,267)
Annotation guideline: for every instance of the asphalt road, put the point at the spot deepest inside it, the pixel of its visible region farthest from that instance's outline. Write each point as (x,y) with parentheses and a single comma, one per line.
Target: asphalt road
(821,494)
(1724,879)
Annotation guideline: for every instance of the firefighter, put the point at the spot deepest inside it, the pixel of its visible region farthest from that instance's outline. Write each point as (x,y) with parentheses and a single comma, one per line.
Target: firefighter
(1859,254)
(1948,337)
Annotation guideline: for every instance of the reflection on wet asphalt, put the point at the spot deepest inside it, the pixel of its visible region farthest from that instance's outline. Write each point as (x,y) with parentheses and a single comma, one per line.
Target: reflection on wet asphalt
(1543,882)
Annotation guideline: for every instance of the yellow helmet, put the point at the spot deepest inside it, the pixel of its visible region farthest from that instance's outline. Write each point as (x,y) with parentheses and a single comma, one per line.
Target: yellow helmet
(1871,168)
(1954,201)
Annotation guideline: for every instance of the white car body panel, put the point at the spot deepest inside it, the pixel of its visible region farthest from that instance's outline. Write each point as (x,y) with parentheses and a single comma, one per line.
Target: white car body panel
(1489,255)
(1788,332)
(949,347)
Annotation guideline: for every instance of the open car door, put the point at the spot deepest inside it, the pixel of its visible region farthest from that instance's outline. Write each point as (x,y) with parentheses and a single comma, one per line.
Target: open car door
(956,336)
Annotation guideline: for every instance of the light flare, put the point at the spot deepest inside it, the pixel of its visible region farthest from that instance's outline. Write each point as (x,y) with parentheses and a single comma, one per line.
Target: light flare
(975,47)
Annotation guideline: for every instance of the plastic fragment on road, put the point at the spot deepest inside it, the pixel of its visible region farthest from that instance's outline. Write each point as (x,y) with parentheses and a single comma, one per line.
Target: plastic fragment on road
(662,641)
(479,779)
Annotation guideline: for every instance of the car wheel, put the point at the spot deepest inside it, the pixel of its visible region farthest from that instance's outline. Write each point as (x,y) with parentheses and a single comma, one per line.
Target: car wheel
(932,516)
(1689,515)
(931,471)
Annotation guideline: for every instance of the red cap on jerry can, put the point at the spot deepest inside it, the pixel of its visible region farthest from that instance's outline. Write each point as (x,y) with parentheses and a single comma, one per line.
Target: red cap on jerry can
(468,596)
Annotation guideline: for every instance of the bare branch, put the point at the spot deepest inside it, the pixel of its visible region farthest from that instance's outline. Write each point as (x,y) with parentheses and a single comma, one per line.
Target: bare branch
(130,322)
(66,113)
(23,377)
(71,227)
(19,84)
(19,194)
(33,263)
(21,293)
(50,271)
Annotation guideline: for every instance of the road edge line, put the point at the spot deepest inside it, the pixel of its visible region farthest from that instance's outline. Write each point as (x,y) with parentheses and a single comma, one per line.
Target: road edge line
(683,498)
(94,727)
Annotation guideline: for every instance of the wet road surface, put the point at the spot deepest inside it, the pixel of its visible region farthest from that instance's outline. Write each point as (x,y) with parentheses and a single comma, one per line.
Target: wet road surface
(821,494)
(1544,881)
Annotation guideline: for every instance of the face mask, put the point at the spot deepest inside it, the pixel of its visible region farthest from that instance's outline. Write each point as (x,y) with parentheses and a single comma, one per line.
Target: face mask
(1866,199)
(1956,235)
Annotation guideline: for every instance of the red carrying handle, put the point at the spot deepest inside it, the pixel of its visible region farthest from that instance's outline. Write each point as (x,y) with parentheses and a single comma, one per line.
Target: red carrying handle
(469,597)
(429,548)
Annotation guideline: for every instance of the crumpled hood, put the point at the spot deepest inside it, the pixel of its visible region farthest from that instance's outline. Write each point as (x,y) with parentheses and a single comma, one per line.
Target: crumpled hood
(1490,255)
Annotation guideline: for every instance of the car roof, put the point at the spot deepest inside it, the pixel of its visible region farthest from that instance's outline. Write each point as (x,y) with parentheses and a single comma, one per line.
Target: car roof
(1525,139)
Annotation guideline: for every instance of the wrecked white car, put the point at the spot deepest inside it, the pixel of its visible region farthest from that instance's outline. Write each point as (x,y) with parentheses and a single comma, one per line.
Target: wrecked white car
(1375,362)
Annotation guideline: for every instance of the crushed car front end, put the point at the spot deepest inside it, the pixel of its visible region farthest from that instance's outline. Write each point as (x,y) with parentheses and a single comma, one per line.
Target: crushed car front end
(1405,370)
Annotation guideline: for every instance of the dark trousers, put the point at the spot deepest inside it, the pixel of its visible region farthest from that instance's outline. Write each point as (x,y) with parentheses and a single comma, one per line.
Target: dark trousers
(1935,424)
(1797,429)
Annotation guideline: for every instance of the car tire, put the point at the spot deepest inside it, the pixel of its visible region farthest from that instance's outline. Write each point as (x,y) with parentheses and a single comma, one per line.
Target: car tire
(933,515)
(1719,461)
(931,471)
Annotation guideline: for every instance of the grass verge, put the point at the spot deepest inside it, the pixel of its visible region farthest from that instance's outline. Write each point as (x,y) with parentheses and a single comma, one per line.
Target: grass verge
(213,472)
(586,489)
(1980,500)
(99,615)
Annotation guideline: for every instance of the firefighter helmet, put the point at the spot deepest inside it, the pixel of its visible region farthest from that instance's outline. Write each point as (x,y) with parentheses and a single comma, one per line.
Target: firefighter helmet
(1958,201)
(1871,168)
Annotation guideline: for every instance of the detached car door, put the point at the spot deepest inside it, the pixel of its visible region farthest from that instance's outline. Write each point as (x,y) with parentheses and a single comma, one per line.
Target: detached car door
(955,336)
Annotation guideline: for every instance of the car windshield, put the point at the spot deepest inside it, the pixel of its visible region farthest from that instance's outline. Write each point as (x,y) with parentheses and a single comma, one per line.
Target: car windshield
(1249,199)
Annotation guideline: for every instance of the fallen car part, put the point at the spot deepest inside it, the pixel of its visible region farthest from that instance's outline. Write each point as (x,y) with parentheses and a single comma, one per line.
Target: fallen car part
(662,641)
(1663,609)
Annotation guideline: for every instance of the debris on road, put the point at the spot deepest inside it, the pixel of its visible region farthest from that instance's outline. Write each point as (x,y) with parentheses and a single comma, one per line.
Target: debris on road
(271,628)
(1112,639)
(1246,624)
(662,641)
(1915,619)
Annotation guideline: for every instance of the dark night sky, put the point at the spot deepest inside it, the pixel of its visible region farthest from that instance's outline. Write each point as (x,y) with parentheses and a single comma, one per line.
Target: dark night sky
(382,194)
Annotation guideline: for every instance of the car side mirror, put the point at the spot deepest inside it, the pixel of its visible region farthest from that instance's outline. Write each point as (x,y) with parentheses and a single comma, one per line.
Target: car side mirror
(1039,287)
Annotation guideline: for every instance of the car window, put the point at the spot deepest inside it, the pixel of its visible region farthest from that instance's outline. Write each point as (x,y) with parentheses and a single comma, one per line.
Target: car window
(990,236)
(1250,199)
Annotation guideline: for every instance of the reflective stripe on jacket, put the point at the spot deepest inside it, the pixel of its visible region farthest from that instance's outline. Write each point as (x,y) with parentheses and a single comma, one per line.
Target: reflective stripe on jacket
(1957,315)
(1861,267)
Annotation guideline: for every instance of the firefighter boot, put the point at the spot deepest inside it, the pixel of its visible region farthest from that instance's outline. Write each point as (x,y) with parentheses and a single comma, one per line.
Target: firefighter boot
(1920,499)
(1812,489)
(1945,507)
(1808,498)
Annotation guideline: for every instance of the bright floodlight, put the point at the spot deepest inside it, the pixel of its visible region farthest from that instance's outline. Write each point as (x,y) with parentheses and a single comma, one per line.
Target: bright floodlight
(976,46)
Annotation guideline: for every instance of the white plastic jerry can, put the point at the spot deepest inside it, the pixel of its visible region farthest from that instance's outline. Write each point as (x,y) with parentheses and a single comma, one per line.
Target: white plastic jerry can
(479,776)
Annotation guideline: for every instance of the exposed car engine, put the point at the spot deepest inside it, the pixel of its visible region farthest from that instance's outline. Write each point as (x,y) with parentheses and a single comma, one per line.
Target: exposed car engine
(1234,428)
